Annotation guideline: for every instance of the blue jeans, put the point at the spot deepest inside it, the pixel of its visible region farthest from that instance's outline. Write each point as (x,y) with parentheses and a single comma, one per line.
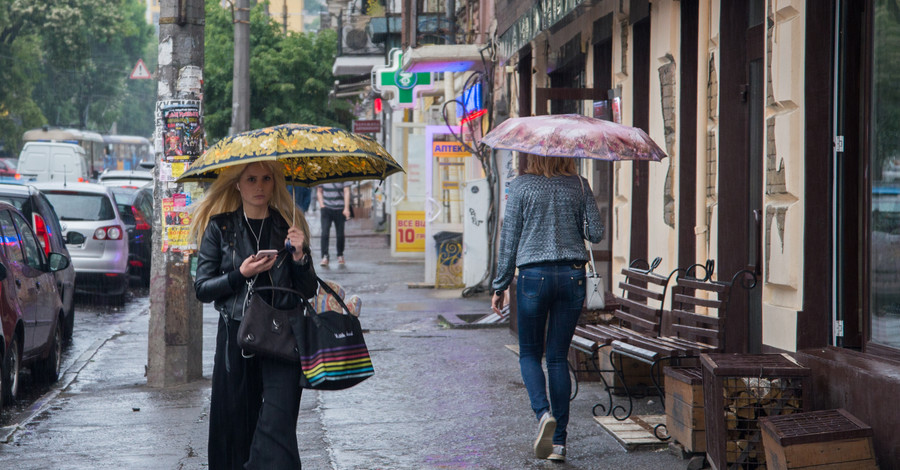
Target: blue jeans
(548,296)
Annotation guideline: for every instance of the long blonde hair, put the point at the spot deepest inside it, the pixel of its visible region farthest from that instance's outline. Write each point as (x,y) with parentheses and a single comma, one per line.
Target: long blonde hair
(223,196)
(550,166)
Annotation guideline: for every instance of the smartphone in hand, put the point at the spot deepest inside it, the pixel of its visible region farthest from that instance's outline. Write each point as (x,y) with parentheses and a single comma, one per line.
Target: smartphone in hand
(266,254)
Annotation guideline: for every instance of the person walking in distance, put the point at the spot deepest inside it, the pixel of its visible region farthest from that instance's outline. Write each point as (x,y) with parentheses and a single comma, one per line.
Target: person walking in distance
(255,400)
(543,235)
(334,207)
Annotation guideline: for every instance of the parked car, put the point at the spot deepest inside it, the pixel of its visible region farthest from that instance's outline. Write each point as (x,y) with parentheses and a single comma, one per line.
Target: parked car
(45,224)
(52,161)
(31,312)
(8,167)
(134,178)
(136,209)
(95,236)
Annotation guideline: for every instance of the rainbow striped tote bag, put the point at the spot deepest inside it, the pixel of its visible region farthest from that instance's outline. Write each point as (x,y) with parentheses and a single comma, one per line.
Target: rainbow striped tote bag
(333,352)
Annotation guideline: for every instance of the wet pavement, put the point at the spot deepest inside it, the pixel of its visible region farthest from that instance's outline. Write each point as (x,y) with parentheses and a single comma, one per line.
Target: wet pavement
(441,398)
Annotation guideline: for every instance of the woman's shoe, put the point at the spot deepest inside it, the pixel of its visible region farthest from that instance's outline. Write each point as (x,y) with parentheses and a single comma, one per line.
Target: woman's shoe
(558,454)
(543,445)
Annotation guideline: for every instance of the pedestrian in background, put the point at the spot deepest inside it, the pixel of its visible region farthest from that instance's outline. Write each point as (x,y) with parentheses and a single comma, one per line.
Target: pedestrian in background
(302,197)
(255,400)
(543,235)
(334,207)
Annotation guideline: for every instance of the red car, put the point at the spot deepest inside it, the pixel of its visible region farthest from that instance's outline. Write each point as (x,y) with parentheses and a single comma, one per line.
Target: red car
(8,167)
(31,312)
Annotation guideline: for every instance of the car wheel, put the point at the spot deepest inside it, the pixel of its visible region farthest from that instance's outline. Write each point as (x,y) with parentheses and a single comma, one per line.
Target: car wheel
(11,371)
(48,368)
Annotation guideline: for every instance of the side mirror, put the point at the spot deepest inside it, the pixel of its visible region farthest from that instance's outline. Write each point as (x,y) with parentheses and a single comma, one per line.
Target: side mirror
(74,238)
(58,261)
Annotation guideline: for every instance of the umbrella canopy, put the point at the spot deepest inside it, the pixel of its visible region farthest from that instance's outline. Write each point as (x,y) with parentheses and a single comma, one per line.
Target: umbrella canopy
(311,154)
(573,135)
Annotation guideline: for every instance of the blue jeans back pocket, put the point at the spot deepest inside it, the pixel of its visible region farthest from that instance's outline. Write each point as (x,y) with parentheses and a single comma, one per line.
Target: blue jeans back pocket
(531,285)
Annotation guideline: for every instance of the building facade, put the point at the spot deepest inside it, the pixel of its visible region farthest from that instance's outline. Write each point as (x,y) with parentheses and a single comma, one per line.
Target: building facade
(784,158)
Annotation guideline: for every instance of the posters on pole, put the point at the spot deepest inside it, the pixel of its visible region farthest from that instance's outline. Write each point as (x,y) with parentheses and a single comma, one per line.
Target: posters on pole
(176,222)
(179,141)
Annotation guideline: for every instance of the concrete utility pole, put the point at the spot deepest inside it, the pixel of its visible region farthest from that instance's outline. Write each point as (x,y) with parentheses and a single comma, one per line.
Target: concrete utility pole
(175,340)
(240,92)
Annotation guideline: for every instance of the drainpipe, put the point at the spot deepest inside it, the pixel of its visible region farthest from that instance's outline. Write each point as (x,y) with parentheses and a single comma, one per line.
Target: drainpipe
(450,6)
(702,228)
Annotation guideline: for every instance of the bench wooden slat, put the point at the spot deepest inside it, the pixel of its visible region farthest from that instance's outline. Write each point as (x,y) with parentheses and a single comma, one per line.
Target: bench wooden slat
(639,310)
(644,276)
(684,316)
(640,322)
(584,345)
(679,298)
(596,336)
(707,286)
(635,351)
(694,331)
(608,333)
(641,291)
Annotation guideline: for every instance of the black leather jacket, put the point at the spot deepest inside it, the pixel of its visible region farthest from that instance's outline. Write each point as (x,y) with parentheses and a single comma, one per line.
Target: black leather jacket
(226,243)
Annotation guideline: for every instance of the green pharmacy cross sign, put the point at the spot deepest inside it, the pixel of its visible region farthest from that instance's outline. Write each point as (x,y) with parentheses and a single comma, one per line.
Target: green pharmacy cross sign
(403,86)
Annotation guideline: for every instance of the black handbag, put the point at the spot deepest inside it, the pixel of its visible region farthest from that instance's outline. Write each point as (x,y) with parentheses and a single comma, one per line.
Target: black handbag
(333,352)
(266,330)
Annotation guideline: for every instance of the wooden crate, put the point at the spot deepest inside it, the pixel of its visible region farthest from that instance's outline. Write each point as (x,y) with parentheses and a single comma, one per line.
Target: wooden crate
(829,439)
(585,371)
(637,374)
(738,390)
(685,419)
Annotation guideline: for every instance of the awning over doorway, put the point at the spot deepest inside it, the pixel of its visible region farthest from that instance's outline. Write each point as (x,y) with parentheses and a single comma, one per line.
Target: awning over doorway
(356,64)
(444,58)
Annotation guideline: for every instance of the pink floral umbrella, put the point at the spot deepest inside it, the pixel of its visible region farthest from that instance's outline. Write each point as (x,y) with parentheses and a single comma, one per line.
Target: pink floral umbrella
(573,135)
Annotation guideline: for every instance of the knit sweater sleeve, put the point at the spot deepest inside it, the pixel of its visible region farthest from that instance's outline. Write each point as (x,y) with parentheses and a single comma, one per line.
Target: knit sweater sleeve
(509,238)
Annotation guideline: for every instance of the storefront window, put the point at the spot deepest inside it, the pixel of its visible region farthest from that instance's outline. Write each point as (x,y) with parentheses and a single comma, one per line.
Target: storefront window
(884,253)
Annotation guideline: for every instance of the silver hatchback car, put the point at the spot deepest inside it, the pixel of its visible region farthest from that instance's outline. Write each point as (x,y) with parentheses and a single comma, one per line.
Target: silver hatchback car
(95,236)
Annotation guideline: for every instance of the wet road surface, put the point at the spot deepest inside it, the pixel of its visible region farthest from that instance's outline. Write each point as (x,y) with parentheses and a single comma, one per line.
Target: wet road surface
(440,399)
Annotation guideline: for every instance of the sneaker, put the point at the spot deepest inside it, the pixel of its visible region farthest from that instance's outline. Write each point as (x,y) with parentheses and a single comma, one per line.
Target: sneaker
(324,261)
(558,454)
(543,445)
(340,260)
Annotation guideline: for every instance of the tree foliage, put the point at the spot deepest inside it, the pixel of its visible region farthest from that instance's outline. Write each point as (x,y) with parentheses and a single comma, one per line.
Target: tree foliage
(66,62)
(290,75)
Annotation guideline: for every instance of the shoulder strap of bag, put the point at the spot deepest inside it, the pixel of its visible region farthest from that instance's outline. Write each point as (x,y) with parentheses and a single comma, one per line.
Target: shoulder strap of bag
(334,294)
(584,234)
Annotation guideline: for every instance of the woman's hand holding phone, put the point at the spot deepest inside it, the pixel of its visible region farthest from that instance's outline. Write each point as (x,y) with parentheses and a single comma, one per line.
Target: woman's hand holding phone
(258,263)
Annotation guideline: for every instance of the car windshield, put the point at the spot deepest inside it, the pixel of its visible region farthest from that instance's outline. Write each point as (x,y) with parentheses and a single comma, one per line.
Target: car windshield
(81,206)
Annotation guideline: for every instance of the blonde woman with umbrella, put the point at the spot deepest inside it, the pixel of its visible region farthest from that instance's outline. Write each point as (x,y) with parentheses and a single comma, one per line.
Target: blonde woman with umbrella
(255,400)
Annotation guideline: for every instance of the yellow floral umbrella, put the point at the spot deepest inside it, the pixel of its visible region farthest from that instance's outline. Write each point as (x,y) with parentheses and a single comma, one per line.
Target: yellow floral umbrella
(311,154)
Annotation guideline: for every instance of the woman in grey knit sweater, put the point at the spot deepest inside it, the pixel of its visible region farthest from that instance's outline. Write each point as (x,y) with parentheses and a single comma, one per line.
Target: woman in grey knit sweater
(543,236)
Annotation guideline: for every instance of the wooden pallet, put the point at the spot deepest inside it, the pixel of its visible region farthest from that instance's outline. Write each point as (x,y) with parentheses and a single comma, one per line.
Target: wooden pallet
(636,432)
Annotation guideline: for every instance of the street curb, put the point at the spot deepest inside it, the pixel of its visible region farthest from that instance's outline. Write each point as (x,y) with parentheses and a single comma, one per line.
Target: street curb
(71,373)
(452,320)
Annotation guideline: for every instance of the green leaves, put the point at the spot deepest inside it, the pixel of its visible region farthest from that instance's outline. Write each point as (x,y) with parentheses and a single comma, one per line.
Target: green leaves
(290,75)
(69,60)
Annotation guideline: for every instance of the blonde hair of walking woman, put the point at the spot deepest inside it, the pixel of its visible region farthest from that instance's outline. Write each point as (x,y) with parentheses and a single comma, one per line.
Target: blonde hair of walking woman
(223,196)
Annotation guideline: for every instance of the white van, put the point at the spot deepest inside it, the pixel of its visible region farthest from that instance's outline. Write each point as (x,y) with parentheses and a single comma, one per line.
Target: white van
(52,161)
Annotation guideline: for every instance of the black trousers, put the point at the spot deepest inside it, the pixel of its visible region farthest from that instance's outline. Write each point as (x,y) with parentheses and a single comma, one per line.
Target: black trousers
(253,409)
(337,216)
